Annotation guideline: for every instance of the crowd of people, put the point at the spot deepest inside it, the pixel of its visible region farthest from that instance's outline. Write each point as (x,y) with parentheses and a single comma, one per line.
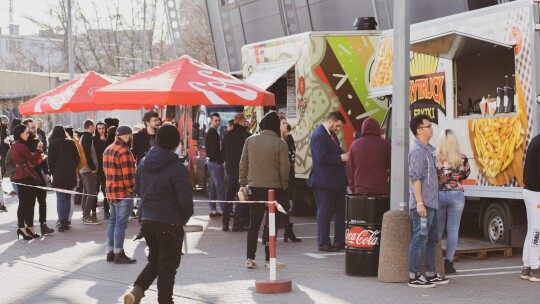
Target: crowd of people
(130,167)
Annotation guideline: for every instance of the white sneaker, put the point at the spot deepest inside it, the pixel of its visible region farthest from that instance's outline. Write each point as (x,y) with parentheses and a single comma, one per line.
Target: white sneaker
(420,282)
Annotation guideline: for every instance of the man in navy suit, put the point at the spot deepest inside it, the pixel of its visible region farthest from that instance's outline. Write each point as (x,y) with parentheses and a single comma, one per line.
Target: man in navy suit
(329,180)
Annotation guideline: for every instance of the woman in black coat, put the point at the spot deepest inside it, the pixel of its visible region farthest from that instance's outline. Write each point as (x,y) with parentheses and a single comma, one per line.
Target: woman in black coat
(63,160)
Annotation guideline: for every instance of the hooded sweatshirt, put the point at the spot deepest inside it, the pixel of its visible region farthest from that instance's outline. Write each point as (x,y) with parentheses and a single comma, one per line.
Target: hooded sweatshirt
(265,157)
(368,168)
(162,183)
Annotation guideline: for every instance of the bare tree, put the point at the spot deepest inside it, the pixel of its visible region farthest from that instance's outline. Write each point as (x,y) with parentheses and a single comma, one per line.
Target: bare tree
(105,40)
(196,38)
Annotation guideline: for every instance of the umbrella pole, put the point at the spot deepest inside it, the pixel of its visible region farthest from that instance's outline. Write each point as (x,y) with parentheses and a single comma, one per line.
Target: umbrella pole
(185,112)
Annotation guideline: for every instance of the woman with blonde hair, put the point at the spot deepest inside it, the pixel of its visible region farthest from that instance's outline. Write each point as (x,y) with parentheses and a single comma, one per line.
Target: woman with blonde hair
(452,169)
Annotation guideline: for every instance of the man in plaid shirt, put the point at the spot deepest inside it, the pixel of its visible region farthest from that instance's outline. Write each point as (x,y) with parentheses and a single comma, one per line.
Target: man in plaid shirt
(120,170)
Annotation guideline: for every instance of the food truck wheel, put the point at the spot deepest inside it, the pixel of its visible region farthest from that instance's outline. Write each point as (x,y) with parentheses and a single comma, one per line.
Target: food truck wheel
(496,225)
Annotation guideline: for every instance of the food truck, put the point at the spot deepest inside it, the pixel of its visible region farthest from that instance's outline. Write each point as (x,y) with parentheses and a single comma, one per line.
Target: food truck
(476,74)
(312,74)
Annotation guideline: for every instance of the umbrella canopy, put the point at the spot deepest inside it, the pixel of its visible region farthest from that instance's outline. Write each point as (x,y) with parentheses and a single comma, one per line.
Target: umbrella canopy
(73,96)
(184,81)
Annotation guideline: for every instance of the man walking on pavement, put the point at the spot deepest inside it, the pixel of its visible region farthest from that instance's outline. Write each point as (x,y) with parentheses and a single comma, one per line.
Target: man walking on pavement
(43,176)
(368,168)
(119,168)
(328,180)
(215,165)
(264,166)
(423,203)
(164,187)
(89,174)
(233,144)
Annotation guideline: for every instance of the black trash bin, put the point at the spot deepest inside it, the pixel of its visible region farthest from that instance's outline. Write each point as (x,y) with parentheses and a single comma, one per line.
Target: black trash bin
(364,215)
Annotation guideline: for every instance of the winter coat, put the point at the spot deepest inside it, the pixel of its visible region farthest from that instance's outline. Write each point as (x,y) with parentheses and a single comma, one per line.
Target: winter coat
(162,183)
(233,143)
(368,167)
(63,160)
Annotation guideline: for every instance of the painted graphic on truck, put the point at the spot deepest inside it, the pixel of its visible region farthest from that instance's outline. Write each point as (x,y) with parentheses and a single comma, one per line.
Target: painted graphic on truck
(332,73)
(494,141)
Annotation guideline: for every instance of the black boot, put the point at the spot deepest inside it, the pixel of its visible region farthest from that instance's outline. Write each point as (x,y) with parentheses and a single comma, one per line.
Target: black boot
(289,234)
(45,230)
(61,227)
(449,267)
(65,225)
(122,258)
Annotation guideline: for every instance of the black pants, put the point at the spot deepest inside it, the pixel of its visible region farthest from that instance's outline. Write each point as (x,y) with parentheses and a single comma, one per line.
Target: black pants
(230,195)
(27,202)
(165,245)
(101,187)
(42,201)
(257,211)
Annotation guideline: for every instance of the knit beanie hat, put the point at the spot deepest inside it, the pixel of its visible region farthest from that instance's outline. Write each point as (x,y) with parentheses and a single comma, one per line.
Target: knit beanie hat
(168,137)
(3,117)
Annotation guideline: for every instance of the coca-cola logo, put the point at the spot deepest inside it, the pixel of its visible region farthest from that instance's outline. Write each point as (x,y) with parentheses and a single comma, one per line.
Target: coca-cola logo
(362,238)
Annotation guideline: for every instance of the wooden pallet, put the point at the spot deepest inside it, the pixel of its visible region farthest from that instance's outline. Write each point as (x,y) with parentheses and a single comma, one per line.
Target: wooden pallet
(476,249)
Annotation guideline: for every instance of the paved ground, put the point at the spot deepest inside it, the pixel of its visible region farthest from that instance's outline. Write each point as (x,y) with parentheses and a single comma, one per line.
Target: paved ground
(70,267)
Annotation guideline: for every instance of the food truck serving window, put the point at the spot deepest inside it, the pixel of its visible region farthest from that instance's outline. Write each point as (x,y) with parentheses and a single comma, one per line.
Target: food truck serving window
(483,72)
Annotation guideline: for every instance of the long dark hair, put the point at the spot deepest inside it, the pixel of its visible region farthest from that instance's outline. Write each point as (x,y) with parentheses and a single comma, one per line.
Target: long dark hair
(18,131)
(58,133)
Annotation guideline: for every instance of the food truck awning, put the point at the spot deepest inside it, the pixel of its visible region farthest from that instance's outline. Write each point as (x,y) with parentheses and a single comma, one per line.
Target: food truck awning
(449,45)
(455,45)
(266,74)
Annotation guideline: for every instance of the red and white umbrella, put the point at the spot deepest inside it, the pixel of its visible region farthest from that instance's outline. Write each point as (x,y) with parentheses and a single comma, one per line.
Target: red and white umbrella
(184,81)
(73,96)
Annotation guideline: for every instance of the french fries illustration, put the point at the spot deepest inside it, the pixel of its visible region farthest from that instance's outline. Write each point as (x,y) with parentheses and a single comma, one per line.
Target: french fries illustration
(496,140)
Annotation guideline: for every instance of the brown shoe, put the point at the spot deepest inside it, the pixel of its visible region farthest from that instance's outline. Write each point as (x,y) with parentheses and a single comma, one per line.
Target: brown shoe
(134,296)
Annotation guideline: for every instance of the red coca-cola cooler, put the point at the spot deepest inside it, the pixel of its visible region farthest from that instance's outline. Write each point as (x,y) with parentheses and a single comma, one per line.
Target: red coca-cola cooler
(364,215)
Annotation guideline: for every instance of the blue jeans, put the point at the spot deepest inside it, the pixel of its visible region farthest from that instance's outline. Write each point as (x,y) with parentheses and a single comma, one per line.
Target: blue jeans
(118,222)
(217,185)
(451,205)
(63,205)
(427,243)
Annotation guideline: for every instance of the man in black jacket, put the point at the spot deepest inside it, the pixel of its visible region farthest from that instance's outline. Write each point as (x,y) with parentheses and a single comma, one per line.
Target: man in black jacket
(162,182)
(88,174)
(215,166)
(233,143)
(43,175)
(145,139)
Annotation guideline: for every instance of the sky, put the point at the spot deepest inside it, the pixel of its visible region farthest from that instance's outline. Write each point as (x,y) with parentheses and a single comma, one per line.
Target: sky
(37,9)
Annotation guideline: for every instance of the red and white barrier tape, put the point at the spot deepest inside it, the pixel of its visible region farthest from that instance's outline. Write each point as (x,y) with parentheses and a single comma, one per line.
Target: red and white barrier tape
(279,207)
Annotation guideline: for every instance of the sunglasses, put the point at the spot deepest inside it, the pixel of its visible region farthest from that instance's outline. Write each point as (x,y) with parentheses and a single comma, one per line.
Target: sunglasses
(425,127)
